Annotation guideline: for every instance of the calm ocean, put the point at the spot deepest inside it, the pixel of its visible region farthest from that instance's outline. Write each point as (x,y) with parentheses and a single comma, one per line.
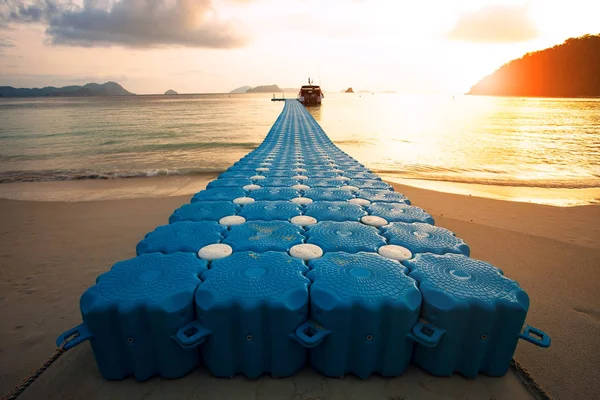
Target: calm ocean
(549,143)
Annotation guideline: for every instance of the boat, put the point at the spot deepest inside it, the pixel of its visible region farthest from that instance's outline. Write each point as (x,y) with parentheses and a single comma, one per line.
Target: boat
(310,95)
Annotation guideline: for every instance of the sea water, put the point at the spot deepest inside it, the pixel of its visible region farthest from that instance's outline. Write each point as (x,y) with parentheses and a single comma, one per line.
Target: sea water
(493,141)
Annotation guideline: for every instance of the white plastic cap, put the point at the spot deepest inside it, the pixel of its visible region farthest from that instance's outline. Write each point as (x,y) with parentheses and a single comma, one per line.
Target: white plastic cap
(360,202)
(300,177)
(243,200)
(350,187)
(251,187)
(373,220)
(257,177)
(265,164)
(299,170)
(261,169)
(303,220)
(338,171)
(301,200)
(301,187)
(395,252)
(420,234)
(231,220)
(215,251)
(342,178)
(306,251)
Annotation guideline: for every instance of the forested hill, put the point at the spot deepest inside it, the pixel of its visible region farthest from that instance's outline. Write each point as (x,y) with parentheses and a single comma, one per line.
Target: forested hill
(91,89)
(571,69)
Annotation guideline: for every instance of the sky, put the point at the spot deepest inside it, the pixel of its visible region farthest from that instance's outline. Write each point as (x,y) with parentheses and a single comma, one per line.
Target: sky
(212,46)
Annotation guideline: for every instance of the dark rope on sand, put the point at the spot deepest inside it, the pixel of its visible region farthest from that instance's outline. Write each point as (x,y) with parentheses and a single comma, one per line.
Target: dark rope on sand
(529,381)
(25,383)
(523,374)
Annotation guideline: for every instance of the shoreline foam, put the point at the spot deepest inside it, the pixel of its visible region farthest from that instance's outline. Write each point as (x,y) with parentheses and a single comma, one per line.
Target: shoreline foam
(560,197)
(178,185)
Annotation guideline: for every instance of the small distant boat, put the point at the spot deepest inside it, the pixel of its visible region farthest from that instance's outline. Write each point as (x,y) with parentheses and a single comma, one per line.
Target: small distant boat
(310,95)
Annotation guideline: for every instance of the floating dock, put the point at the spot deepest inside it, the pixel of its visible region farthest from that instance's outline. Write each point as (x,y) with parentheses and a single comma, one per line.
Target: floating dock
(298,254)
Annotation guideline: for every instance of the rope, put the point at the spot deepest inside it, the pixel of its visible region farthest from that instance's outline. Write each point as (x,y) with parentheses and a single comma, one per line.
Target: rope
(25,383)
(529,381)
(522,373)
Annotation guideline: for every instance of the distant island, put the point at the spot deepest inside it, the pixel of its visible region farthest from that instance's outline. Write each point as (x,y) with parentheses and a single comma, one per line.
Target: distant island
(91,89)
(349,90)
(170,92)
(262,89)
(571,69)
(241,89)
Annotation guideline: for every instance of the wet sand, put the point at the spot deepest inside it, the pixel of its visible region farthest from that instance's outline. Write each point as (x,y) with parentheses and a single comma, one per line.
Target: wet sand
(51,251)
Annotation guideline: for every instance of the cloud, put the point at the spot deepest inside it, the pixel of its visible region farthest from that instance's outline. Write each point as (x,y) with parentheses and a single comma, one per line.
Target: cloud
(5,42)
(131,23)
(495,24)
(17,11)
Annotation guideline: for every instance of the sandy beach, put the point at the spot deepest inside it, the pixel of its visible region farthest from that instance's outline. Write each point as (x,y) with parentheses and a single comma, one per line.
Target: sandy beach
(51,251)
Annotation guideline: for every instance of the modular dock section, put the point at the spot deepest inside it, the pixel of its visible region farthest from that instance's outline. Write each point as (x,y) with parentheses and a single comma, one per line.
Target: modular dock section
(298,254)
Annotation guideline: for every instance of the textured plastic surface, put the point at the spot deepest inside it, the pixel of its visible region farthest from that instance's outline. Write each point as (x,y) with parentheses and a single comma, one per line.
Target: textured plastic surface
(399,212)
(152,290)
(204,211)
(252,303)
(349,237)
(274,194)
(330,194)
(219,194)
(334,211)
(229,182)
(382,195)
(369,184)
(262,236)
(183,236)
(299,202)
(270,210)
(481,310)
(351,295)
(424,238)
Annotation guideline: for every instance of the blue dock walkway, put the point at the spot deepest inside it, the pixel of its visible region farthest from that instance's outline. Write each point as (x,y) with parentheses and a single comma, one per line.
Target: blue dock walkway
(300,255)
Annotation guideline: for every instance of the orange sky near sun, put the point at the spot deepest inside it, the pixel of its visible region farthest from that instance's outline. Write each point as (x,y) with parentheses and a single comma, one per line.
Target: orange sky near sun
(421,46)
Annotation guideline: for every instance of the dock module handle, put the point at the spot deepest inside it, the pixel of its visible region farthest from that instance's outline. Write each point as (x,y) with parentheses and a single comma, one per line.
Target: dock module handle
(191,335)
(310,334)
(426,334)
(73,337)
(535,336)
